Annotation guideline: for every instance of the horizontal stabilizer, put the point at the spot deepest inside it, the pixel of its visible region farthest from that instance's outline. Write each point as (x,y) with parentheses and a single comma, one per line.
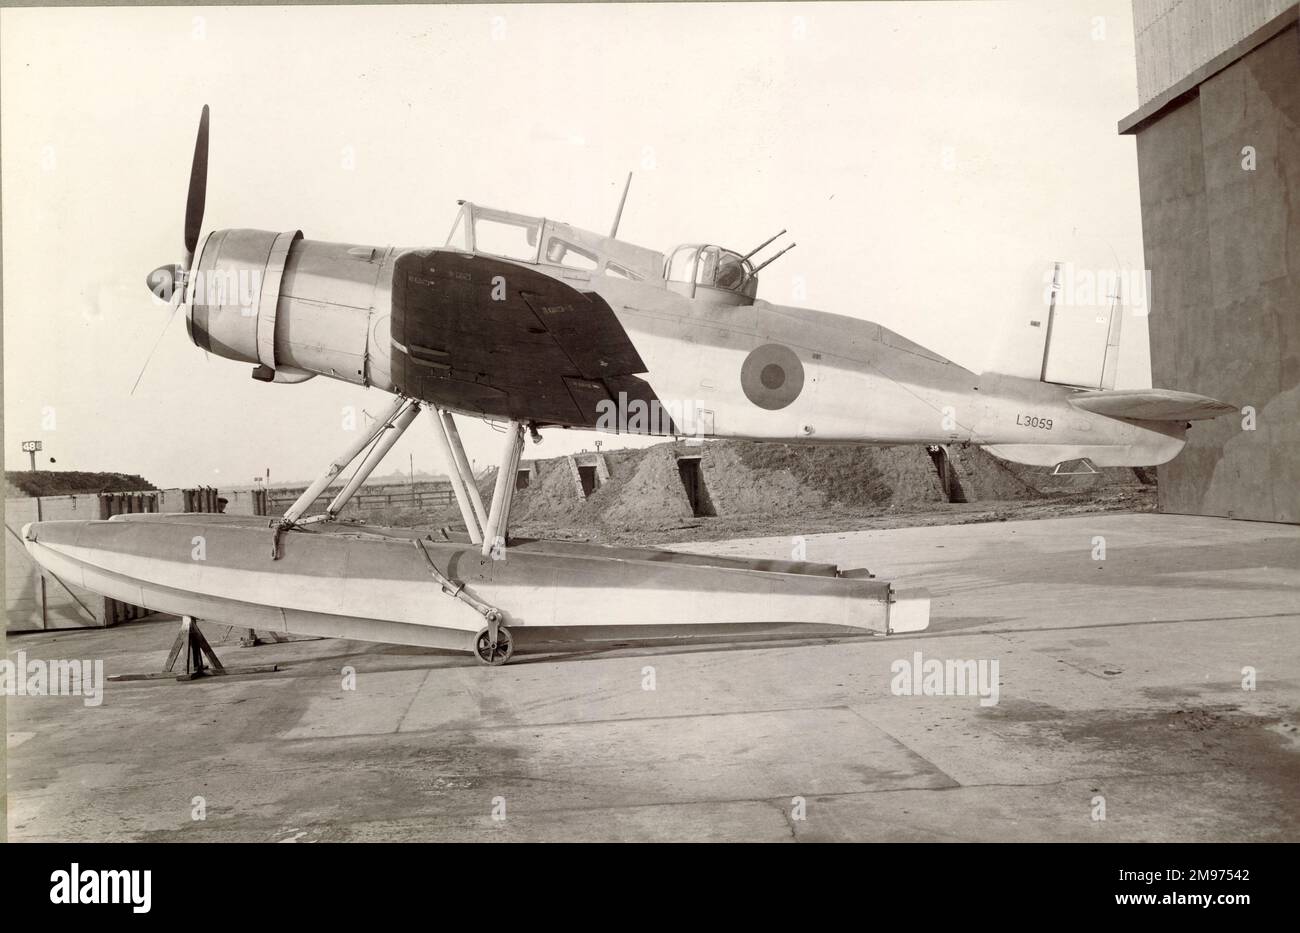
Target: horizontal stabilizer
(1150,404)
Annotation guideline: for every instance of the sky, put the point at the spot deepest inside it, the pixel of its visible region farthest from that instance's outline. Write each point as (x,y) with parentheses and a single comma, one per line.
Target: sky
(931,160)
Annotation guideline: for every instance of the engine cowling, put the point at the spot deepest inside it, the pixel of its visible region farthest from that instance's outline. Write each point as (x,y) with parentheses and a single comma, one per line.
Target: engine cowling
(294,308)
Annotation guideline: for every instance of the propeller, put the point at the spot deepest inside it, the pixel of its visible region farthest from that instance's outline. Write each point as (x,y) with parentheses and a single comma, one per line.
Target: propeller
(168,282)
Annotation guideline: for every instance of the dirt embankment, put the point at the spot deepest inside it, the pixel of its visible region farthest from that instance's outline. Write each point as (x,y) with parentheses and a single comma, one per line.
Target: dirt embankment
(757,489)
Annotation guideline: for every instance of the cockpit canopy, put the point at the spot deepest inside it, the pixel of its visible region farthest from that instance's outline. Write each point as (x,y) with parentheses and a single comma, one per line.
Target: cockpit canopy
(712,271)
(696,271)
(547,242)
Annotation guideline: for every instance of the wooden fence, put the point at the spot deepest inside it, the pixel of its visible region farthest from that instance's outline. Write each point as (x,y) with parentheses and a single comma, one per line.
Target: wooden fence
(429,495)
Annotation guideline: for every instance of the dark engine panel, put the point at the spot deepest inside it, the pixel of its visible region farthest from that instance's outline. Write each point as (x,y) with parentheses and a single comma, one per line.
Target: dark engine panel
(504,340)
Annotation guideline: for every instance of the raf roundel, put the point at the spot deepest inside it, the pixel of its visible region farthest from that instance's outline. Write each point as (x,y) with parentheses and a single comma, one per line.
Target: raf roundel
(772,376)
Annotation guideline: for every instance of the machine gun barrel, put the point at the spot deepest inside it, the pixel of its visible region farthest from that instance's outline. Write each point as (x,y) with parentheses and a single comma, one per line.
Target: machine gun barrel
(761,245)
(758,269)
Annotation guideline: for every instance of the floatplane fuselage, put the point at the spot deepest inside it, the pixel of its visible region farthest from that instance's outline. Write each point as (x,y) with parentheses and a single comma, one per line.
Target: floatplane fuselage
(579,330)
(539,324)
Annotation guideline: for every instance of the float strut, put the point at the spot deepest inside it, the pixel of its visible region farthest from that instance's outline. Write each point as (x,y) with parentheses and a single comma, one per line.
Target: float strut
(462,462)
(339,464)
(391,431)
(321,483)
(494,535)
(458,477)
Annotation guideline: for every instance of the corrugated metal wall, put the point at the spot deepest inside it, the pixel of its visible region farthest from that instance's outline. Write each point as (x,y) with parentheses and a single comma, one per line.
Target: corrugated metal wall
(127,503)
(36,601)
(1175,37)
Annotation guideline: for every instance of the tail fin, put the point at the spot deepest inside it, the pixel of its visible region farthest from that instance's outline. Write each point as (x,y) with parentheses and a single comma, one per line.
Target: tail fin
(1110,355)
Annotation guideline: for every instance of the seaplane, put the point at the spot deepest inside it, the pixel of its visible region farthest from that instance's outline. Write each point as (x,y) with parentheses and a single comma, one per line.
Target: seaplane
(537,324)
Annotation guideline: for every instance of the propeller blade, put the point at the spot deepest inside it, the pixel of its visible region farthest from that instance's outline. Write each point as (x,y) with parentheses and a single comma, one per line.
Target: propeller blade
(171,313)
(197,196)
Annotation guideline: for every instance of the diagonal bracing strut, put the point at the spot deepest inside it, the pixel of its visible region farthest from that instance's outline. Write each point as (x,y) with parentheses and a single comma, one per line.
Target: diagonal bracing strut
(383,437)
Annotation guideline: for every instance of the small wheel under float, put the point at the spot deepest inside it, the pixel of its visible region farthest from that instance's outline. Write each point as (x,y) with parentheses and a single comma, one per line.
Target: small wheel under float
(490,654)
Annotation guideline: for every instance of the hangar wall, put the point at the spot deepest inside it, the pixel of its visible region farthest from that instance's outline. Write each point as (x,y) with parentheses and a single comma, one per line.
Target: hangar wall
(1222,241)
(1175,37)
